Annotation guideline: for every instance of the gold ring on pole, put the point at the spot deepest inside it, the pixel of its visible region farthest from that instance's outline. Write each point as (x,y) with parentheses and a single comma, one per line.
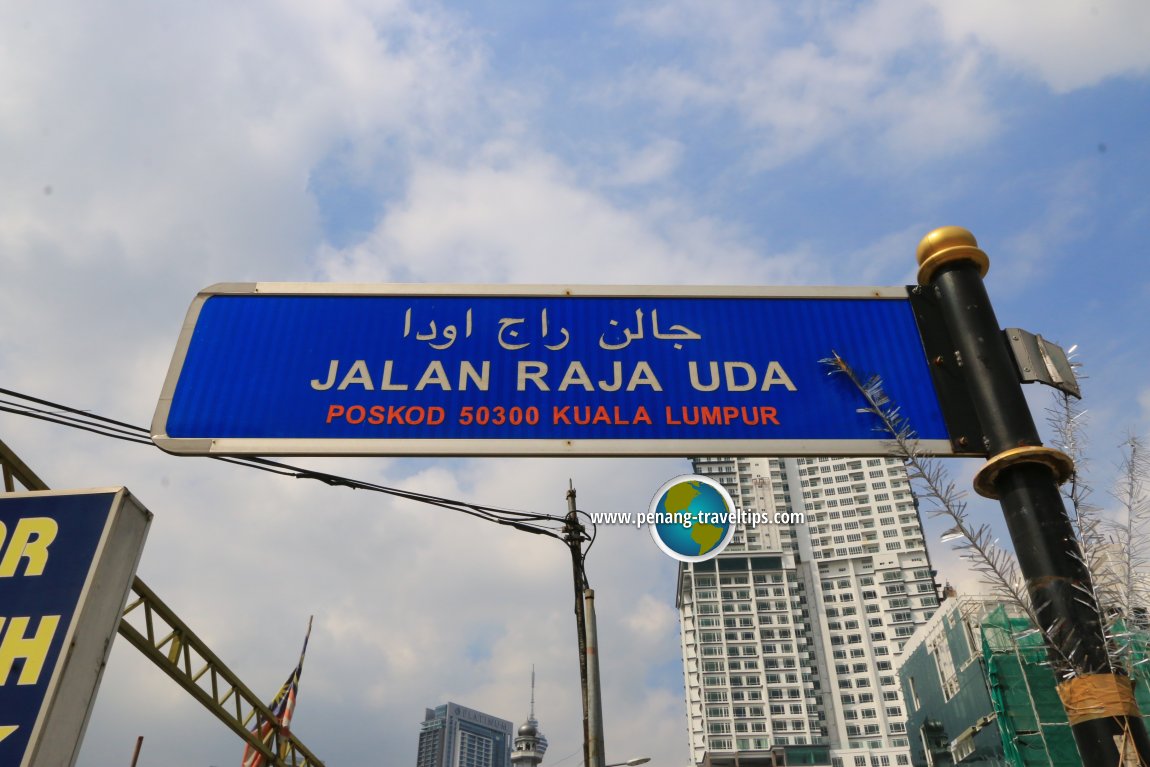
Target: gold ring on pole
(1059,462)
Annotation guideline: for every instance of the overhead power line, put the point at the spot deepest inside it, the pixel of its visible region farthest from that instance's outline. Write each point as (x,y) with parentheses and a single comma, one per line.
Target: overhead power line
(28,406)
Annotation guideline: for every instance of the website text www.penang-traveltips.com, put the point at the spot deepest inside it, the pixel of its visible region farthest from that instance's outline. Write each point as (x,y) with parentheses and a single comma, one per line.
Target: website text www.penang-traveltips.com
(737,517)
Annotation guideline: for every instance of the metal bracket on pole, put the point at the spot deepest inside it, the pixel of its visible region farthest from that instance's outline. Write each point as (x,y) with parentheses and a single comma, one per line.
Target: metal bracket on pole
(1039,360)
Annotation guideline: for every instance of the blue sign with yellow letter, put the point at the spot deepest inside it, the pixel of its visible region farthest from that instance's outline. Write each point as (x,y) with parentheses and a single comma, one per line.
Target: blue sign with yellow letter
(316,369)
(60,604)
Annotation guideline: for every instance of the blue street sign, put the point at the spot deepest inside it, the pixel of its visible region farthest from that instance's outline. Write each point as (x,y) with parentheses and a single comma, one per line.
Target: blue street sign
(66,564)
(302,369)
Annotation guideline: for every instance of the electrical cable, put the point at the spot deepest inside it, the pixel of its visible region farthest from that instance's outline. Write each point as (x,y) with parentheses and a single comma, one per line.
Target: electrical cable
(63,415)
(590,542)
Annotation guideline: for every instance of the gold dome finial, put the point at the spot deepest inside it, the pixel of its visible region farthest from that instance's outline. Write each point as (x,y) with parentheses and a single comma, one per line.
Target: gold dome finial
(946,245)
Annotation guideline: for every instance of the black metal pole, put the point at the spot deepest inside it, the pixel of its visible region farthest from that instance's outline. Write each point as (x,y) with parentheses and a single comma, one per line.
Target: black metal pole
(573,532)
(1024,476)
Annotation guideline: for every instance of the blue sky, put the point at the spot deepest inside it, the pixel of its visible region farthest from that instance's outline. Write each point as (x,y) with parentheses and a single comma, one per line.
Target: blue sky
(148,151)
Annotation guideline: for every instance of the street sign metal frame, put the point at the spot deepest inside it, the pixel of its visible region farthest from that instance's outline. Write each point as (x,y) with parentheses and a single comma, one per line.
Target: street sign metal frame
(207,444)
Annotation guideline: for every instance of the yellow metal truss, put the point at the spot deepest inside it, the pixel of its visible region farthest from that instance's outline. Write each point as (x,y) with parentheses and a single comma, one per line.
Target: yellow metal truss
(155,630)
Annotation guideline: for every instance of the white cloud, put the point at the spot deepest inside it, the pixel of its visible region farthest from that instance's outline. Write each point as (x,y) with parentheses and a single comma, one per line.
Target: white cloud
(150,152)
(889,260)
(853,79)
(520,216)
(1064,43)
(740,25)
(655,161)
(651,618)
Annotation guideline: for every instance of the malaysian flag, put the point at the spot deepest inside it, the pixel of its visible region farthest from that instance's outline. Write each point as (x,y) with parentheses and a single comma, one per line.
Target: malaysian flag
(282,706)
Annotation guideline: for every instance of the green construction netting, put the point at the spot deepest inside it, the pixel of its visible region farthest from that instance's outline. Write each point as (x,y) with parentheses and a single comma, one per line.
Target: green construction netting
(1031,718)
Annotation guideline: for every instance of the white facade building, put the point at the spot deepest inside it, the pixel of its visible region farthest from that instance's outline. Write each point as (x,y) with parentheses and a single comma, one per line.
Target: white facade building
(789,636)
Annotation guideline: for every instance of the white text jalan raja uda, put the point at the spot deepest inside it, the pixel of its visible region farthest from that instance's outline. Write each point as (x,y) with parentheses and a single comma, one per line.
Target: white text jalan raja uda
(535,375)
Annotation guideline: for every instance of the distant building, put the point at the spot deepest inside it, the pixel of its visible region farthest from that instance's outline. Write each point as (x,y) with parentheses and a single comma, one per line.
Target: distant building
(530,742)
(790,635)
(979,691)
(456,736)
(946,688)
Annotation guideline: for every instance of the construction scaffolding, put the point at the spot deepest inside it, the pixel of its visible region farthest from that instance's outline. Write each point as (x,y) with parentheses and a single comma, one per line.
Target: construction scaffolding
(1031,717)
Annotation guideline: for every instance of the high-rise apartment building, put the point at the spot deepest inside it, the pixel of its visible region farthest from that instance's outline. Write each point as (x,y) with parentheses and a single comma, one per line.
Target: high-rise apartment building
(452,735)
(789,636)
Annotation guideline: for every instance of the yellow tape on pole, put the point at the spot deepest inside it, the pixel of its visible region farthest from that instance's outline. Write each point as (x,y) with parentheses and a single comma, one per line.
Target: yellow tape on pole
(1097,696)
